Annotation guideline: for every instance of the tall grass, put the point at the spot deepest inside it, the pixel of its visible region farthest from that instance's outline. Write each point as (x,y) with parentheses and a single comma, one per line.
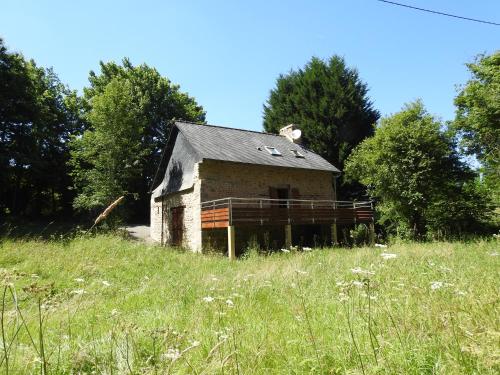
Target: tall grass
(111,306)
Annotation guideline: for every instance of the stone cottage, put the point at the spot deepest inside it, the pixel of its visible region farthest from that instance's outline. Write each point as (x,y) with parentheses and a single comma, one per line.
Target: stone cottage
(223,187)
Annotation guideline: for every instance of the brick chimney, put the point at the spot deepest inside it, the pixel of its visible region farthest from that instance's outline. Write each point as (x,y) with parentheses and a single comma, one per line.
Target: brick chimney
(287,131)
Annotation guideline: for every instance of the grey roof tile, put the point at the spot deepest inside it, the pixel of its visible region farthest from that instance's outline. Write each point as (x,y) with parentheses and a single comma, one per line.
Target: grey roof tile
(242,146)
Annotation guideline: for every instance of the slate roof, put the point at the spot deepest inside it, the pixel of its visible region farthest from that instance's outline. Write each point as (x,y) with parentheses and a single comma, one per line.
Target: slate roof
(245,146)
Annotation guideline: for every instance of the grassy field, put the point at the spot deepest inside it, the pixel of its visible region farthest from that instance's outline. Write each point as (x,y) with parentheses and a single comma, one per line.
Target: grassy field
(112,306)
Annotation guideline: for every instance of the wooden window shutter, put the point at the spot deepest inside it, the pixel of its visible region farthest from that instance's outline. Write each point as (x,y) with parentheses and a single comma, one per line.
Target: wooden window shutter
(273,193)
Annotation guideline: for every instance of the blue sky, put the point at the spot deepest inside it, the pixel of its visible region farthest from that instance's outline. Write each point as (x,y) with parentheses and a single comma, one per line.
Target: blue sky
(228,54)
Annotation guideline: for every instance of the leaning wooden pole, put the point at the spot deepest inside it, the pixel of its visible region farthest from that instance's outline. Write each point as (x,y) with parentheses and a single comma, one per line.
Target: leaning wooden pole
(106,212)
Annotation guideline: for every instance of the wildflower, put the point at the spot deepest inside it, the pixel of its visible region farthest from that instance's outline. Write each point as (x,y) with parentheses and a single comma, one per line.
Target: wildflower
(343,297)
(78,291)
(34,276)
(215,279)
(436,285)
(358,284)
(285,250)
(301,272)
(388,255)
(229,303)
(114,312)
(360,271)
(380,245)
(305,248)
(494,254)
(106,283)
(79,280)
(208,299)
(173,354)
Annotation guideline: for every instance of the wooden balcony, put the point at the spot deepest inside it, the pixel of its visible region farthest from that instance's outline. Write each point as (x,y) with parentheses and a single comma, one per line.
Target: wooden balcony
(225,212)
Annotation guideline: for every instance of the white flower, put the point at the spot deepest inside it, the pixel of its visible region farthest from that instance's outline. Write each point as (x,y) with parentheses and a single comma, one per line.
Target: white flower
(343,297)
(360,271)
(380,245)
(388,255)
(172,354)
(305,248)
(285,250)
(106,283)
(229,303)
(79,280)
(300,272)
(215,279)
(436,285)
(208,299)
(195,343)
(78,291)
(358,284)
(494,254)
(34,276)
(114,312)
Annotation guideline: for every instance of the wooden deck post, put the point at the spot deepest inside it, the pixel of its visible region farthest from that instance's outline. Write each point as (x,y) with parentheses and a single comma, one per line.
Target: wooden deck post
(231,248)
(335,240)
(288,236)
(372,233)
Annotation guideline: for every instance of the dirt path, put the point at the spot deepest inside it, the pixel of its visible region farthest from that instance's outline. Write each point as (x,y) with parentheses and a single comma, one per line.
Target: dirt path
(139,232)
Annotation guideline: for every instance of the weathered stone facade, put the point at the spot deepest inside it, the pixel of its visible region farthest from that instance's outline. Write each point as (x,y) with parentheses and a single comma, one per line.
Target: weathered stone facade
(224,179)
(221,179)
(161,211)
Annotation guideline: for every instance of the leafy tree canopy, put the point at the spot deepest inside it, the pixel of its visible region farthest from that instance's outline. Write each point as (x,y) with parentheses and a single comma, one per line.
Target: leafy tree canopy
(478,117)
(130,111)
(412,168)
(38,115)
(330,104)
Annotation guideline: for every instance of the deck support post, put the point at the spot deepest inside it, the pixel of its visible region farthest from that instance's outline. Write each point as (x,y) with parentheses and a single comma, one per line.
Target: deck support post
(372,233)
(288,236)
(231,247)
(335,239)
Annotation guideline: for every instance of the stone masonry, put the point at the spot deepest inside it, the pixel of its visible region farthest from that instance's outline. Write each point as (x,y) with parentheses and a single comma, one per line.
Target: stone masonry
(222,179)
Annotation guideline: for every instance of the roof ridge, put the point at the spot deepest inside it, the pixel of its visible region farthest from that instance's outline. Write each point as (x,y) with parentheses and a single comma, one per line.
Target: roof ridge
(226,127)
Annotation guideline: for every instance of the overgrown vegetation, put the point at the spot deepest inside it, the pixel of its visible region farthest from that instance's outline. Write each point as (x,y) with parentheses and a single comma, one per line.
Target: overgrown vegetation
(411,166)
(107,305)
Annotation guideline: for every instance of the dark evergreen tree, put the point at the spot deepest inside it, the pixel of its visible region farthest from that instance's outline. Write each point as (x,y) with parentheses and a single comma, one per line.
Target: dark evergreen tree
(330,104)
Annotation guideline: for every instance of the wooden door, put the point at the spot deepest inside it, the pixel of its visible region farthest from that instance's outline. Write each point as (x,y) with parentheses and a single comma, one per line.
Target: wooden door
(177,225)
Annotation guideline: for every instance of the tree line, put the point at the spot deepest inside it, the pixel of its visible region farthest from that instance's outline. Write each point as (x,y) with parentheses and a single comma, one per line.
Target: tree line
(63,154)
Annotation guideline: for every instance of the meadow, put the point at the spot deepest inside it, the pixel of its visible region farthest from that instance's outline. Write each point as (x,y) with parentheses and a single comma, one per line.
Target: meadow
(107,305)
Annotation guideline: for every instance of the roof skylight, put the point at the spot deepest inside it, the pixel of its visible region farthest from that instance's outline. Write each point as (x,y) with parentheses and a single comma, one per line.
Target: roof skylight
(297,154)
(273,150)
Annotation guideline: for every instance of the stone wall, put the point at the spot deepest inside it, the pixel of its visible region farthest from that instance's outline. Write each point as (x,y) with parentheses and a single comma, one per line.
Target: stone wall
(224,179)
(217,179)
(190,199)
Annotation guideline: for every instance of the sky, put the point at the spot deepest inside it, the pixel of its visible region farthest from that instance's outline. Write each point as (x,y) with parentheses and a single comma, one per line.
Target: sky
(228,54)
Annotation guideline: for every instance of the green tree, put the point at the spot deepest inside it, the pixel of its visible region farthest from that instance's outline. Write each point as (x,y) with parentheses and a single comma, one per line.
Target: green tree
(411,167)
(330,104)
(130,111)
(478,117)
(38,115)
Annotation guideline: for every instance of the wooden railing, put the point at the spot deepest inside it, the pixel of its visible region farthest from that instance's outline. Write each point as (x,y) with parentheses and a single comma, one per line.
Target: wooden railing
(221,213)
